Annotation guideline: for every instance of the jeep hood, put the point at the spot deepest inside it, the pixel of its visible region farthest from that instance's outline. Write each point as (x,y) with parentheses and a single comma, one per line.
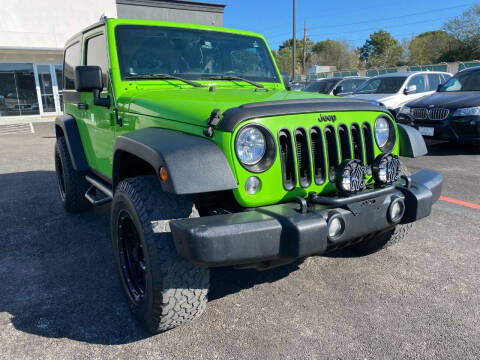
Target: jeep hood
(194,106)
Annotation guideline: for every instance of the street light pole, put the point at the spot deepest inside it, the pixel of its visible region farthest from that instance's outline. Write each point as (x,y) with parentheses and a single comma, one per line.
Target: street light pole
(294,42)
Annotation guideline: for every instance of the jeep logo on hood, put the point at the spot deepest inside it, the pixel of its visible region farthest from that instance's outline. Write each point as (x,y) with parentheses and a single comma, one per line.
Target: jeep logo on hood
(325,118)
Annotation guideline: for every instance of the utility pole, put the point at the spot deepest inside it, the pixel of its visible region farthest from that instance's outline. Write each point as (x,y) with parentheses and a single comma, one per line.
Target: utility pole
(294,43)
(304,55)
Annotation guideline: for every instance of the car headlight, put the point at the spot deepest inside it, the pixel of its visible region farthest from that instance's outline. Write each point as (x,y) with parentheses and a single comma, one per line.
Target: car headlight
(470,111)
(250,145)
(384,134)
(405,110)
(255,148)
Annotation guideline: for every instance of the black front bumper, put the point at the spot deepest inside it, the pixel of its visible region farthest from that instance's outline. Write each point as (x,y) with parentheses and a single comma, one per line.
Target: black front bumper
(283,232)
(463,130)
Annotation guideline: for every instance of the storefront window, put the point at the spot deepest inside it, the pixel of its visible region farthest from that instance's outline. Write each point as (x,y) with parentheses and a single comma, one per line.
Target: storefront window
(59,75)
(18,94)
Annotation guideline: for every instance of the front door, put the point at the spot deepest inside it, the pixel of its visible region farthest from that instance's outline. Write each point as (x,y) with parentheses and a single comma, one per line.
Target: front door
(97,121)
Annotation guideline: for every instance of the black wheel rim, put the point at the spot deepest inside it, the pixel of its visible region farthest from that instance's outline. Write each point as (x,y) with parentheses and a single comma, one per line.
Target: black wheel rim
(132,259)
(60,175)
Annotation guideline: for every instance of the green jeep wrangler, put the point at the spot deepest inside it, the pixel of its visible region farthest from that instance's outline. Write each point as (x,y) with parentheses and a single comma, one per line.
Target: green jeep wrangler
(209,161)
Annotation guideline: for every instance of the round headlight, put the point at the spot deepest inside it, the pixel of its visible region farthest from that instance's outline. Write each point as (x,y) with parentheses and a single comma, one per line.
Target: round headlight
(382,131)
(250,145)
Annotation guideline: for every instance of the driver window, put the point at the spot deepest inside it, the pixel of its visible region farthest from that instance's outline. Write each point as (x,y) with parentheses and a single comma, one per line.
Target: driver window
(348,86)
(419,82)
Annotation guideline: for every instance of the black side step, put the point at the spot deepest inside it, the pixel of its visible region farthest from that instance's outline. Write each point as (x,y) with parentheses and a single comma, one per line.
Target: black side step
(101,186)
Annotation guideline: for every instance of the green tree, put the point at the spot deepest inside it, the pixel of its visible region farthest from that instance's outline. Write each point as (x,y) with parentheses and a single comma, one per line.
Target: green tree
(283,57)
(466,29)
(288,44)
(433,47)
(381,50)
(334,53)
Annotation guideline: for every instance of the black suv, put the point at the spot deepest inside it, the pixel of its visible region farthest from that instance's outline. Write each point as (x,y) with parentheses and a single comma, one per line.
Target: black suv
(339,86)
(452,113)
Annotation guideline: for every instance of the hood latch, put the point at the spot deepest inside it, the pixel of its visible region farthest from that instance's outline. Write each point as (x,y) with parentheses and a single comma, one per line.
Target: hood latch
(213,121)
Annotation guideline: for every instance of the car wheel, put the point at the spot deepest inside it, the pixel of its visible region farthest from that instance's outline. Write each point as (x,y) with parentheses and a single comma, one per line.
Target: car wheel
(71,183)
(163,290)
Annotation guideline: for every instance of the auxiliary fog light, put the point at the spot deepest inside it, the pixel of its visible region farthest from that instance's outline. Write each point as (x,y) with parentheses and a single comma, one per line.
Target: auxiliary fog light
(396,210)
(252,185)
(336,226)
(386,169)
(350,176)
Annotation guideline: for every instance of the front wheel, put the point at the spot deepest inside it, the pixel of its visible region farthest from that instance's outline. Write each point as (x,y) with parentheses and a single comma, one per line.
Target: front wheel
(163,289)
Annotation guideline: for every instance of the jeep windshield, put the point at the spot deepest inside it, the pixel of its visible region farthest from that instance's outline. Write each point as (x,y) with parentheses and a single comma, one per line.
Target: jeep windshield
(382,85)
(463,81)
(192,54)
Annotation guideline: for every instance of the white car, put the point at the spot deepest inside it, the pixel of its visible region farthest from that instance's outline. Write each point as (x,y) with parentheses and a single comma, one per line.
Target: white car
(394,90)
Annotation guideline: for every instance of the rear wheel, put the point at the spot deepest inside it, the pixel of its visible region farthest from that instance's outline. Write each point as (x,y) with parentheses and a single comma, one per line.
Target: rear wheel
(71,183)
(163,289)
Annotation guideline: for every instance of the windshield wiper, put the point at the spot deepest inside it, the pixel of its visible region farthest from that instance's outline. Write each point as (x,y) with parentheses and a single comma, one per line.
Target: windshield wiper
(235,77)
(163,76)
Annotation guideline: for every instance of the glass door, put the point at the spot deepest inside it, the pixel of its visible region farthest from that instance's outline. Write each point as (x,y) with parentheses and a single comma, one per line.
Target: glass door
(47,89)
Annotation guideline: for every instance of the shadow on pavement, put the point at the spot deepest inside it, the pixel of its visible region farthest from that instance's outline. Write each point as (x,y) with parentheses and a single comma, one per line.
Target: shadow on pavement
(448,149)
(58,272)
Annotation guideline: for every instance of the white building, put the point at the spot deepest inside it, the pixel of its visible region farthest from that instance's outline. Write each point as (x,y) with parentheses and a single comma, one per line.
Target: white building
(33,33)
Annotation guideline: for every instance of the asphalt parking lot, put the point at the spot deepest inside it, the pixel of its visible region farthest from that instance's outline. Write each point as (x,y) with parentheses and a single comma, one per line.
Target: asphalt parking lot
(61,297)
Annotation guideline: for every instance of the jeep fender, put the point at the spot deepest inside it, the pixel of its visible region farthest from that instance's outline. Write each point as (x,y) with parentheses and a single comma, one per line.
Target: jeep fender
(412,143)
(194,164)
(68,126)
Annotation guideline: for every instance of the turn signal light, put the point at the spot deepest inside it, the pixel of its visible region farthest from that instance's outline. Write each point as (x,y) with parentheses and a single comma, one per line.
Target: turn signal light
(163,173)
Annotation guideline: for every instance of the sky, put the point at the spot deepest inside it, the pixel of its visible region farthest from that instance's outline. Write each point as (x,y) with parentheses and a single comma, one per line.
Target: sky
(350,20)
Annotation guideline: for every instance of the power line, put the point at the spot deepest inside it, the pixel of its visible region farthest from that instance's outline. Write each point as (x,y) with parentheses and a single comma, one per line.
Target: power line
(380,19)
(343,13)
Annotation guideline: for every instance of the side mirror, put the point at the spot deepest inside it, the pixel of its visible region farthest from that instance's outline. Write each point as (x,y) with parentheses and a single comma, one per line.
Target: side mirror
(286,81)
(410,89)
(89,78)
(338,90)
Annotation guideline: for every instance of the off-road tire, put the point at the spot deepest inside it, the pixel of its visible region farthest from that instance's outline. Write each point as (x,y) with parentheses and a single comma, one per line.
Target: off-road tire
(175,290)
(71,183)
(386,239)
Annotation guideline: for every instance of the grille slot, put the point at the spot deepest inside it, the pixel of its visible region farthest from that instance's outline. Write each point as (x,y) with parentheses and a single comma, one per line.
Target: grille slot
(318,155)
(303,158)
(419,113)
(287,159)
(344,142)
(368,138)
(438,114)
(357,142)
(332,154)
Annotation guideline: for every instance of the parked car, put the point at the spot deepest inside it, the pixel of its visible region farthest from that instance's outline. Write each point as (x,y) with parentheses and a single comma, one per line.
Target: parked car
(298,86)
(396,89)
(452,113)
(340,86)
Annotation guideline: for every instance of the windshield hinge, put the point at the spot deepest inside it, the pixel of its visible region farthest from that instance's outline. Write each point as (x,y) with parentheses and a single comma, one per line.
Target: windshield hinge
(213,121)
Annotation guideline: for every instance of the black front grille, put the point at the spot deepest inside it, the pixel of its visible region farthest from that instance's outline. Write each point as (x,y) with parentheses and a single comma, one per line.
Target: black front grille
(316,153)
(419,113)
(437,114)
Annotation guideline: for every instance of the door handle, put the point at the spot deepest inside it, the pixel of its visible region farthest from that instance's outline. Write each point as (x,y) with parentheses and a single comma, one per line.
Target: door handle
(82,106)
